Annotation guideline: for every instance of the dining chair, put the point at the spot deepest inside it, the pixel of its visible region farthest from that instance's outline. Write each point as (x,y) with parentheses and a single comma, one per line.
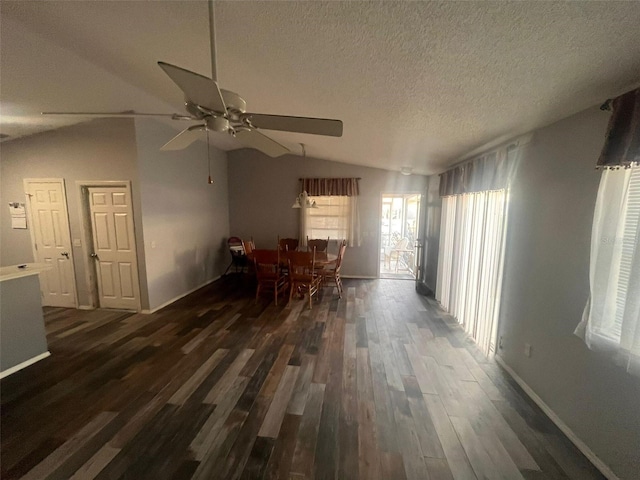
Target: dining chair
(238,256)
(269,274)
(333,272)
(287,244)
(303,276)
(320,244)
(249,247)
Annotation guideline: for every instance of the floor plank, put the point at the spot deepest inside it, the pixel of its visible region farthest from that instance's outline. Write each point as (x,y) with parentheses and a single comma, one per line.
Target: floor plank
(378,384)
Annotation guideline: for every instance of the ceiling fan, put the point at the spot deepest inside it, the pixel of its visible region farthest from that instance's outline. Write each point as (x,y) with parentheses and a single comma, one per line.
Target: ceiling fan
(223,111)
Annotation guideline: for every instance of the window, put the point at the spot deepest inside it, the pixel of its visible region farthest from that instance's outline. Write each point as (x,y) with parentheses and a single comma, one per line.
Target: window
(611,320)
(629,249)
(331,219)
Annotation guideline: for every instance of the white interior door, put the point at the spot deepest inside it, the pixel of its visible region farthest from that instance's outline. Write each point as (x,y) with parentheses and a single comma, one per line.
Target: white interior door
(114,248)
(52,241)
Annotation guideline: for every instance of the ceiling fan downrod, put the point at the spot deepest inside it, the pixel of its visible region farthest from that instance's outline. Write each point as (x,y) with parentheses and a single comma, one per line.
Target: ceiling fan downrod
(212,41)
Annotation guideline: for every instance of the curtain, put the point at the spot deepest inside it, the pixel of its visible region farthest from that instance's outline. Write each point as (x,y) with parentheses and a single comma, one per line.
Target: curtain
(492,171)
(304,220)
(319,187)
(611,319)
(353,237)
(472,238)
(622,142)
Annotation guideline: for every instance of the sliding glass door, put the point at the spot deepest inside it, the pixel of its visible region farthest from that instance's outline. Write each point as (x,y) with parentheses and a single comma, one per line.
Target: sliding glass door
(470,262)
(399,231)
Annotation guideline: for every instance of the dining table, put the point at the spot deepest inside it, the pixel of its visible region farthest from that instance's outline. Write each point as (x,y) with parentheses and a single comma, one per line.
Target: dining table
(322,258)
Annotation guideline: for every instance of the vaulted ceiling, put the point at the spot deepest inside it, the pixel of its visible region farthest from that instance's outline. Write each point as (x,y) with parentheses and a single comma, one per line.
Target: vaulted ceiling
(417,84)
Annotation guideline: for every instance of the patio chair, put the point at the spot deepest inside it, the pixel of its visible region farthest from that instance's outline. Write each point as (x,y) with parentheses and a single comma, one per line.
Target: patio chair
(394,251)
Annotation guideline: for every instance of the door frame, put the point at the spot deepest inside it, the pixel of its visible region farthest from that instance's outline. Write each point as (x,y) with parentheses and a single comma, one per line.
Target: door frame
(87,236)
(419,233)
(32,235)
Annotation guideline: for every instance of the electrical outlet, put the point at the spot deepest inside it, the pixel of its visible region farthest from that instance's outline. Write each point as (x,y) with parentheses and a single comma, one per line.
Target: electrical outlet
(527,350)
(501,342)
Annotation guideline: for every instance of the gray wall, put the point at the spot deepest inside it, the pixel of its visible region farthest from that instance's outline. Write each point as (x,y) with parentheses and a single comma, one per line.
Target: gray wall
(97,150)
(185,220)
(546,287)
(22,335)
(262,190)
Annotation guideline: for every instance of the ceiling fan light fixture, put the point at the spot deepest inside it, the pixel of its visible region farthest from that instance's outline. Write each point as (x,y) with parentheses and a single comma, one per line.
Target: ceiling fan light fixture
(218,124)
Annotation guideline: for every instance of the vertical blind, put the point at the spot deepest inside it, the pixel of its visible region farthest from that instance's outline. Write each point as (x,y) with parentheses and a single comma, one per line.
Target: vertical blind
(629,250)
(470,262)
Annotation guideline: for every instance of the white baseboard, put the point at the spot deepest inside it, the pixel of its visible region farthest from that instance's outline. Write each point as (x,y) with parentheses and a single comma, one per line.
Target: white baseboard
(86,307)
(175,299)
(363,277)
(580,445)
(24,364)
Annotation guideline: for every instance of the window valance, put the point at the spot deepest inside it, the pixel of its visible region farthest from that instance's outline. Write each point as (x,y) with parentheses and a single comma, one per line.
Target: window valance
(622,143)
(318,187)
(492,171)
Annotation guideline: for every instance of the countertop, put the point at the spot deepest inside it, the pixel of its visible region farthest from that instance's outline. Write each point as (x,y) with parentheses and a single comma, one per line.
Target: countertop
(9,273)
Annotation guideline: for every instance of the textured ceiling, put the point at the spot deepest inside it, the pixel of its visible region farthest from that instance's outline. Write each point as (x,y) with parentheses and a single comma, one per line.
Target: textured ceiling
(416,83)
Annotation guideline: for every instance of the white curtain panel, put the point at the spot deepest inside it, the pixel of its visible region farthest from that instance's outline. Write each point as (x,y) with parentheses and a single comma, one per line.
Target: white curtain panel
(611,319)
(354,222)
(304,220)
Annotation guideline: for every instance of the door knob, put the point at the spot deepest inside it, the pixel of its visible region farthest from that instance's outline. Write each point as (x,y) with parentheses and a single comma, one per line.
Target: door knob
(93,255)
(65,254)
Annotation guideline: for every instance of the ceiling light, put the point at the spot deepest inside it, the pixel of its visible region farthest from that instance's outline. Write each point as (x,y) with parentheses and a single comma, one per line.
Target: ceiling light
(406,170)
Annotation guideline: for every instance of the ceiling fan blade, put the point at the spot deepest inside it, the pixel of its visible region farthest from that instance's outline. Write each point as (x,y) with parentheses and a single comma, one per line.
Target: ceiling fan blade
(198,89)
(184,138)
(255,139)
(316,126)
(112,114)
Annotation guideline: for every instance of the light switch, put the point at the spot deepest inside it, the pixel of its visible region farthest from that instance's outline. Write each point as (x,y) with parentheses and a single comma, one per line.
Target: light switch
(153,244)
(77,242)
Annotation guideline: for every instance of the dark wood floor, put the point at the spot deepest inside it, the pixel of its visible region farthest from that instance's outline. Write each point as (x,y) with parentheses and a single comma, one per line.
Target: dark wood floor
(378,385)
